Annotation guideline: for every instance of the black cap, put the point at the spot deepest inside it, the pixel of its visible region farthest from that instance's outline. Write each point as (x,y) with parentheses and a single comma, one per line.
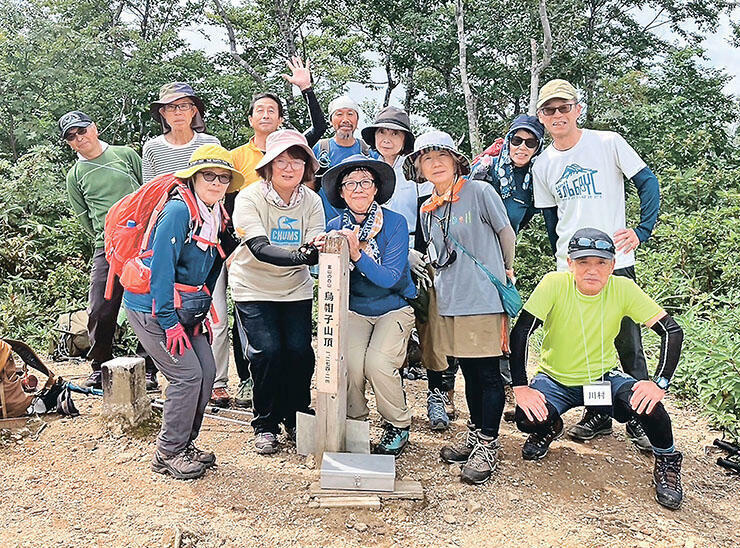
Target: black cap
(72,119)
(591,242)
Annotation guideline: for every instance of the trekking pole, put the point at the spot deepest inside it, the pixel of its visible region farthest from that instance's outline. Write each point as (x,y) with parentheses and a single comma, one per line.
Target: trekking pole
(158,405)
(730,448)
(84,390)
(733,452)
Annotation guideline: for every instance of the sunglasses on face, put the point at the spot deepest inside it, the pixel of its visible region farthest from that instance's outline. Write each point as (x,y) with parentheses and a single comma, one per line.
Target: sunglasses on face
(295,164)
(593,244)
(210,176)
(72,135)
(562,109)
(352,185)
(185,107)
(530,142)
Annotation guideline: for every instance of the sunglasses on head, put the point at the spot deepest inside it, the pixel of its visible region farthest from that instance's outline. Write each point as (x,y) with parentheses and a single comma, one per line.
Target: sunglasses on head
(210,176)
(530,142)
(562,109)
(72,135)
(592,243)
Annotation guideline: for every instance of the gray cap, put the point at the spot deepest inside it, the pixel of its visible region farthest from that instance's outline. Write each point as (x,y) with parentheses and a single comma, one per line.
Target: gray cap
(591,242)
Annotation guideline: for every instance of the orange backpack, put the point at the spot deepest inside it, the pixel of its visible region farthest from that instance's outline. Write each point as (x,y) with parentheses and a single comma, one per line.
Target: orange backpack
(128,226)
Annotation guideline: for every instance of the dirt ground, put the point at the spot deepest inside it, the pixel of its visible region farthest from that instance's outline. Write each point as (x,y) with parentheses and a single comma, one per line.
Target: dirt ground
(79,483)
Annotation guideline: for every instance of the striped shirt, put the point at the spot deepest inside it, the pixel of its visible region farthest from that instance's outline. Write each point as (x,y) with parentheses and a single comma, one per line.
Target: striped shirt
(160,157)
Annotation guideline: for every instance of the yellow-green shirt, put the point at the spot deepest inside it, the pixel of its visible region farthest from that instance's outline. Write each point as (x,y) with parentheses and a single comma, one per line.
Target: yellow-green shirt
(245,158)
(578,344)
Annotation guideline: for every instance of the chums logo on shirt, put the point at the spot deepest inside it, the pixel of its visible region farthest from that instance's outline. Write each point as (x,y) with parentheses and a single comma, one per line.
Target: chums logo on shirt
(285,234)
(577,182)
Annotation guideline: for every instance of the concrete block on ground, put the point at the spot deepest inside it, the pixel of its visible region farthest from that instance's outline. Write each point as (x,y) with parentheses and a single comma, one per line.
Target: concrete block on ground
(124,391)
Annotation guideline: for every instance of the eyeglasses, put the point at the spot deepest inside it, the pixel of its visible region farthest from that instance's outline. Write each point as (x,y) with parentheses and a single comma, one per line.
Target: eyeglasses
(592,244)
(296,164)
(210,176)
(72,135)
(531,142)
(562,109)
(352,185)
(185,107)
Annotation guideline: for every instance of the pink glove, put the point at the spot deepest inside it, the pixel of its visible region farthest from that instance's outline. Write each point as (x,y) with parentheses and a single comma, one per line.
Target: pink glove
(177,340)
(208,330)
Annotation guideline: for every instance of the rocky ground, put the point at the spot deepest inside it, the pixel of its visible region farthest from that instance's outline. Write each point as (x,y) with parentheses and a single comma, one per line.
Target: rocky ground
(78,482)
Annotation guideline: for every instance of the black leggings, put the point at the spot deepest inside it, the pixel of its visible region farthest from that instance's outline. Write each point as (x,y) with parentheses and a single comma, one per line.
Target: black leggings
(444,381)
(484,393)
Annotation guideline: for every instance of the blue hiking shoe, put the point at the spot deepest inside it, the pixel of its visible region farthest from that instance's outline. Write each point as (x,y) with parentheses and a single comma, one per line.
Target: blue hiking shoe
(393,440)
(438,417)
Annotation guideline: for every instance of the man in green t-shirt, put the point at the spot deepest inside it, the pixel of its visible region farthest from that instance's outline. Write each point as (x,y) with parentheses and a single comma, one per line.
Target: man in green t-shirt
(581,311)
(102,175)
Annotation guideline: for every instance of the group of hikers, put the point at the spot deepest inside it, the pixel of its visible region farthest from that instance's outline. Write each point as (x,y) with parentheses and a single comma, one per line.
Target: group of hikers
(424,227)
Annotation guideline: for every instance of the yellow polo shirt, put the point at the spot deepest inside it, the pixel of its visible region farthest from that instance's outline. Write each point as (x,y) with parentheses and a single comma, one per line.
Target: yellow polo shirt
(245,158)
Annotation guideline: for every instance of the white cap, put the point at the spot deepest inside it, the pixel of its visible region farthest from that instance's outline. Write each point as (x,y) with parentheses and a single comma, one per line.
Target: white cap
(343,101)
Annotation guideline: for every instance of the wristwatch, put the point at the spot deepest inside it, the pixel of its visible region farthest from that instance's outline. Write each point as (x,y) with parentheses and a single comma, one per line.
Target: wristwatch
(662,382)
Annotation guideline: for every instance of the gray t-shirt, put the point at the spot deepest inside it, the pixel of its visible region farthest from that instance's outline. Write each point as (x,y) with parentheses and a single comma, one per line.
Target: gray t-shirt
(479,222)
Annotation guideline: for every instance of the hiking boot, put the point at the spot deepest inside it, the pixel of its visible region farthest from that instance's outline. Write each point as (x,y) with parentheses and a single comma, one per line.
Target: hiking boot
(266,443)
(592,424)
(449,399)
(637,435)
(438,418)
(152,384)
(220,397)
(244,394)
(393,440)
(95,380)
(291,432)
(483,460)
(537,444)
(667,479)
(206,458)
(179,466)
(460,452)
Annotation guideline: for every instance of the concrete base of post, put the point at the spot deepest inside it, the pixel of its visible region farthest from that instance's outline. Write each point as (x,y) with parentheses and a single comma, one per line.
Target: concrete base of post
(124,391)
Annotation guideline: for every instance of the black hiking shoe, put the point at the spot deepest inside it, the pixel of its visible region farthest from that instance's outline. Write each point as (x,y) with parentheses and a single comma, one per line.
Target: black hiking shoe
(538,444)
(206,458)
(460,452)
(179,466)
(592,424)
(637,435)
(482,462)
(667,479)
(95,380)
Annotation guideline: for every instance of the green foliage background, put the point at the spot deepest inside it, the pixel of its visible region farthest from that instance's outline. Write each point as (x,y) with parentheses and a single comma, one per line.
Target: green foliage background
(110,58)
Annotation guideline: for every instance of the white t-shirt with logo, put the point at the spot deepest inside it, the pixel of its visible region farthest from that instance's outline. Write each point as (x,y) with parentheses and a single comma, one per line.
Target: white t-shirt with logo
(255,280)
(586,183)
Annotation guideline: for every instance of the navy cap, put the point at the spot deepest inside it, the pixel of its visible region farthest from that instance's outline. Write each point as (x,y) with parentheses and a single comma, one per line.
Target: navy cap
(591,242)
(72,119)
(530,123)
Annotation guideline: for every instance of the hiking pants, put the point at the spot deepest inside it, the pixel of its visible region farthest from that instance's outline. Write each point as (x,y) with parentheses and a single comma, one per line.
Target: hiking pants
(484,393)
(281,359)
(103,315)
(629,339)
(376,351)
(221,335)
(190,379)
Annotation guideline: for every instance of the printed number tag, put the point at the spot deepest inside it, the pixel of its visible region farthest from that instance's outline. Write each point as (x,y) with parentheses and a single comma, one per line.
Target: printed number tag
(597,394)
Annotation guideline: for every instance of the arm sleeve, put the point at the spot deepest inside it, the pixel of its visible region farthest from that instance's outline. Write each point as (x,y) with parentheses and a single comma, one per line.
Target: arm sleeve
(420,239)
(318,119)
(170,234)
(671,339)
(525,325)
(147,166)
(395,259)
(551,224)
(494,213)
(77,200)
(648,189)
(264,251)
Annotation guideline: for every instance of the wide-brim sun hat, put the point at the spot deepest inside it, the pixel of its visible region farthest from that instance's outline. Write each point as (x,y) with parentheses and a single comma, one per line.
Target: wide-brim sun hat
(280,141)
(385,178)
(591,242)
(211,155)
(390,118)
(433,140)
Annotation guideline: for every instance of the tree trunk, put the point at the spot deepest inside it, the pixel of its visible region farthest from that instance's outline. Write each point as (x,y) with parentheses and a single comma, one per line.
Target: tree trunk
(475,145)
(232,46)
(539,65)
